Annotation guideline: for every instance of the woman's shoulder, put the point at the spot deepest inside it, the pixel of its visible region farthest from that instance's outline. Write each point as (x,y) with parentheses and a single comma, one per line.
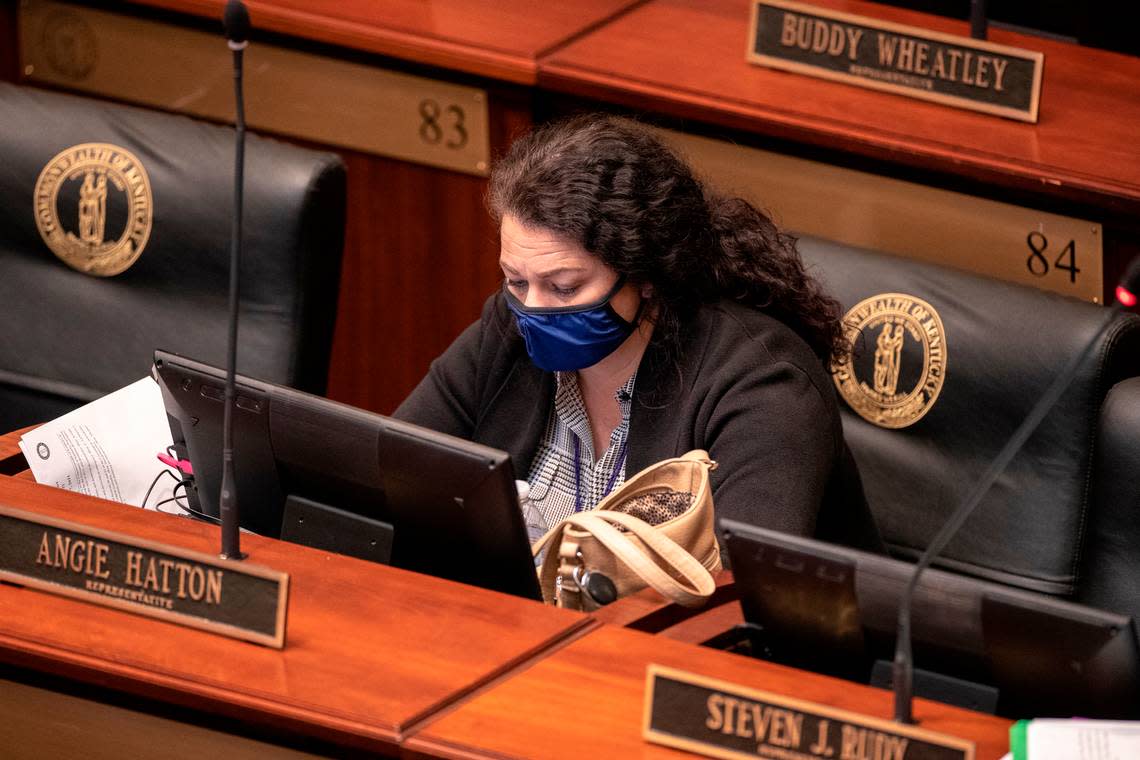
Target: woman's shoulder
(731,326)
(738,342)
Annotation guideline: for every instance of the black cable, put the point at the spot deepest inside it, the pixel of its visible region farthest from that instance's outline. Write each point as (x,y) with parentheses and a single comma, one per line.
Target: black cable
(187,510)
(154,482)
(182,507)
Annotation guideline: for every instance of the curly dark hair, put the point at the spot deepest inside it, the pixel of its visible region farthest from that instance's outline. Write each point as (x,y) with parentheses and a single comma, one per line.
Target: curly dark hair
(613,187)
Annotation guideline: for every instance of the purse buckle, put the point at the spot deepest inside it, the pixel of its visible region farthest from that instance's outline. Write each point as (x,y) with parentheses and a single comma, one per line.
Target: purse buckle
(595,586)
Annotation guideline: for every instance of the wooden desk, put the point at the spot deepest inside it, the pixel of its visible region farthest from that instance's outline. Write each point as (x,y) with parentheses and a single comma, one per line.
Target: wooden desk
(1084,146)
(685,59)
(377,660)
(585,700)
(371,651)
(498,40)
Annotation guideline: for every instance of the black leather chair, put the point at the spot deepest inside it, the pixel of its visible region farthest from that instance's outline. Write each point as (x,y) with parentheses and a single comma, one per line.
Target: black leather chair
(109,188)
(932,419)
(1110,572)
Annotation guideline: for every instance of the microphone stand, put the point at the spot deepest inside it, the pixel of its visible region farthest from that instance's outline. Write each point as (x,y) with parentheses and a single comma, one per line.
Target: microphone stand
(979,23)
(236,21)
(902,670)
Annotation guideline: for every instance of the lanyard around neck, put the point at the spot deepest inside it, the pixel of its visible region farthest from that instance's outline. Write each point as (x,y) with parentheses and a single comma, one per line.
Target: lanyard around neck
(578,471)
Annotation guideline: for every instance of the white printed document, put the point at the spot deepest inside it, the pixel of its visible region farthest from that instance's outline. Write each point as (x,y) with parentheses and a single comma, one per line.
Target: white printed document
(108,448)
(1077,739)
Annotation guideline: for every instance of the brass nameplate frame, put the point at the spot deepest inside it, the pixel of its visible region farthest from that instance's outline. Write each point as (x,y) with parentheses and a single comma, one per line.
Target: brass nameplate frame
(957,71)
(720,719)
(334,102)
(117,570)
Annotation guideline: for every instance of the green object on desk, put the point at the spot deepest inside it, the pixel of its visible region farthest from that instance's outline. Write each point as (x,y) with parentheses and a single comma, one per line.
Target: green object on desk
(1017,739)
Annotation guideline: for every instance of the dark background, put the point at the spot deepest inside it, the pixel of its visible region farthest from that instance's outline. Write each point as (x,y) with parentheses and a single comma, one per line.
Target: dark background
(1098,23)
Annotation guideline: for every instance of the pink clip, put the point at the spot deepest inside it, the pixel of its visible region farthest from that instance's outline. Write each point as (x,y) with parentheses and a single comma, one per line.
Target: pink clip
(182,465)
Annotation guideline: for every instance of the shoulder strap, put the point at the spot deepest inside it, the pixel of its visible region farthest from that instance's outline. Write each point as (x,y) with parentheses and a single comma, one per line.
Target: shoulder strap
(698,583)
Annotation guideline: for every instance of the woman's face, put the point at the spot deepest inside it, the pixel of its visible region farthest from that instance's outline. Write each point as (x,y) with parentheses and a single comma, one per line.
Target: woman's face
(544,269)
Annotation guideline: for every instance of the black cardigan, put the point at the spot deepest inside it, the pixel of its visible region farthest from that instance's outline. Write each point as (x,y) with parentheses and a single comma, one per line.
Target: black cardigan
(748,390)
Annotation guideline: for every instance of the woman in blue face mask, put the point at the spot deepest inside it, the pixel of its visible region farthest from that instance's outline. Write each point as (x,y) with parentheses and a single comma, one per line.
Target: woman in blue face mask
(642,316)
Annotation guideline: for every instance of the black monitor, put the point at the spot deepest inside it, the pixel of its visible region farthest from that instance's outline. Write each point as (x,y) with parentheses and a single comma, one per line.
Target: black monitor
(976,644)
(447,507)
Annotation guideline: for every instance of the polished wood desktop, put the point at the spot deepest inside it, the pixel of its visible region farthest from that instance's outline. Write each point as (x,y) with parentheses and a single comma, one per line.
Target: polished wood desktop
(685,59)
(377,660)
(586,700)
(1082,149)
(499,40)
(370,652)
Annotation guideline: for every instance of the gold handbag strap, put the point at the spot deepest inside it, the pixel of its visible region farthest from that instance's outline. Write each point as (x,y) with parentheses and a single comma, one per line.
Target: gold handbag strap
(699,581)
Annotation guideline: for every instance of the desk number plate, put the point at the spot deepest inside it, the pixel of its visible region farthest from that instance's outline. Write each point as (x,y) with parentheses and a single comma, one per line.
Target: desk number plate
(121,571)
(720,719)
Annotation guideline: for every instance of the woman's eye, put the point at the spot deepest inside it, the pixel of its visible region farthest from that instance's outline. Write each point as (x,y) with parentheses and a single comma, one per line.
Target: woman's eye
(516,284)
(564,291)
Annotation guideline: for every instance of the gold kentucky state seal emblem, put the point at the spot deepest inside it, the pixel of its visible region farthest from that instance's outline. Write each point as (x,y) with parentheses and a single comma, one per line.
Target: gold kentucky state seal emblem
(898,382)
(94,208)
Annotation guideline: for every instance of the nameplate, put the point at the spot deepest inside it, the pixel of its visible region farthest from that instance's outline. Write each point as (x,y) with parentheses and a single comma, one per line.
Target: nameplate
(720,719)
(956,71)
(116,570)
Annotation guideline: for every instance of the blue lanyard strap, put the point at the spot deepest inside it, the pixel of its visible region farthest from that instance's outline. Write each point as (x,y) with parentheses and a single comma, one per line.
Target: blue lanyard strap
(578,471)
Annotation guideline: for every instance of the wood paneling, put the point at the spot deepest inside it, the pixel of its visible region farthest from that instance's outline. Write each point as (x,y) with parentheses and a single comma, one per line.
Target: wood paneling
(589,696)
(9,52)
(370,649)
(421,257)
(685,58)
(499,39)
(41,722)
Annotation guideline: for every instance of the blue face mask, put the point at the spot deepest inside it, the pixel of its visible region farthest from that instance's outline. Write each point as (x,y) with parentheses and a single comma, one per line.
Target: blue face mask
(568,338)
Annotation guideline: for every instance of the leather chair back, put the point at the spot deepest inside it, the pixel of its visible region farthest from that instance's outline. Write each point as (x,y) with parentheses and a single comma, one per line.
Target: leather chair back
(1110,572)
(947,366)
(102,184)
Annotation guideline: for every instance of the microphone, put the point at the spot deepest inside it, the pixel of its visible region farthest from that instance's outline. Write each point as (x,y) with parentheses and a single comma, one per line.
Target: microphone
(902,670)
(978,19)
(235,20)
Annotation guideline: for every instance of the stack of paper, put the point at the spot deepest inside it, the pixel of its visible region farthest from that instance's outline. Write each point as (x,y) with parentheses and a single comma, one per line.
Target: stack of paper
(107,448)
(1074,739)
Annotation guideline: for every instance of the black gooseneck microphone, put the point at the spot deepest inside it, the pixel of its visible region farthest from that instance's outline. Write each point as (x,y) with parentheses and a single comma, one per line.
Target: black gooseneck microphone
(235,20)
(902,670)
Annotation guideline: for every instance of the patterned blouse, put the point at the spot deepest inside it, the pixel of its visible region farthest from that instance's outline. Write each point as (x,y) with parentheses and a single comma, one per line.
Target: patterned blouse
(555,492)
